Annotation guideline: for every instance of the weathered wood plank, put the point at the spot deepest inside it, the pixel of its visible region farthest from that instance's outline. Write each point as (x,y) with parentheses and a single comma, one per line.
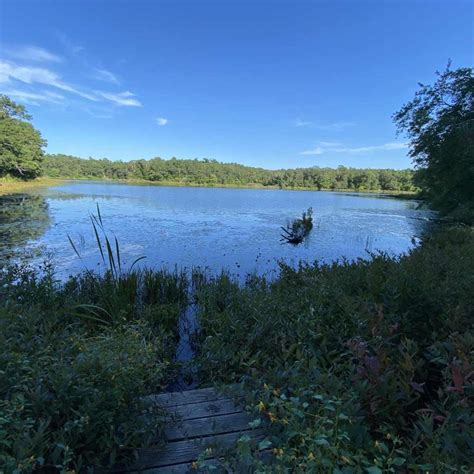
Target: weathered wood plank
(184,468)
(188,397)
(204,409)
(197,419)
(207,426)
(180,452)
(188,468)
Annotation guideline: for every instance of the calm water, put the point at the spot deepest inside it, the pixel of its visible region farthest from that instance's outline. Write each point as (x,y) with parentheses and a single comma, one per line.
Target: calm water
(235,229)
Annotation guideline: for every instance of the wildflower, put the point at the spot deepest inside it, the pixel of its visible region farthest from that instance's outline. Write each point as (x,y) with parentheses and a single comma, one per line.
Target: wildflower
(276,392)
(311,457)
(194,465)
(261,406)
(272,417)
(265,386)
(277,451)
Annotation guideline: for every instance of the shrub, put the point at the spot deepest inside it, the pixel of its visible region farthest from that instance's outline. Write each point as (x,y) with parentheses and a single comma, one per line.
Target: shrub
(360,366)
(75,361)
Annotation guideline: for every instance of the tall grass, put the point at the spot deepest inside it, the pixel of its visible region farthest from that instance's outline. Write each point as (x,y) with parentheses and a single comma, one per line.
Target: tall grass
(109,249)
(125,294)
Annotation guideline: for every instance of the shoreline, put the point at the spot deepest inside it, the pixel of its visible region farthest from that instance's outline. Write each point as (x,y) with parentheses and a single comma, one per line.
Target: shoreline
(49,181)
(7,187)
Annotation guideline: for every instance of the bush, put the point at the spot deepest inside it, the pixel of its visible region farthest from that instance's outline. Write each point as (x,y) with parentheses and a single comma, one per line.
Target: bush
(75,361)
(360,366)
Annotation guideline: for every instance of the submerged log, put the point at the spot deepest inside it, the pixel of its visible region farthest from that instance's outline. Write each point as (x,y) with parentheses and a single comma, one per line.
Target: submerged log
(295,232)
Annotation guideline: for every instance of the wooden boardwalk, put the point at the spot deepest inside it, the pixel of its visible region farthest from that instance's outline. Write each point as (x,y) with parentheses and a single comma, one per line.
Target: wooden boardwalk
(198,419)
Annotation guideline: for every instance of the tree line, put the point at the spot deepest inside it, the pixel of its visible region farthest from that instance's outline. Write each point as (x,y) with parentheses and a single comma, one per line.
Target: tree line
(213,173)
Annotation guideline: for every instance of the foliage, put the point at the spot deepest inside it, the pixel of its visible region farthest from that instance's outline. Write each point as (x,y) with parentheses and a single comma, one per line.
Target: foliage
(21,144)
(212,173)
(362,366)
(439,122)
(75,360)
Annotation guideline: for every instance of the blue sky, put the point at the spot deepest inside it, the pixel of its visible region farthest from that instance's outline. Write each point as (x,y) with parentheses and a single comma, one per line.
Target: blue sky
(264,83)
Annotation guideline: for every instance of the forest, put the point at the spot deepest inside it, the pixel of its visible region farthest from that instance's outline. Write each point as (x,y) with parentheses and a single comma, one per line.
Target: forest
(213,173)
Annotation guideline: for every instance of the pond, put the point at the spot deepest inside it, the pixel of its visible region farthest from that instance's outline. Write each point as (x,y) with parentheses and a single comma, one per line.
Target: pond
(214,228)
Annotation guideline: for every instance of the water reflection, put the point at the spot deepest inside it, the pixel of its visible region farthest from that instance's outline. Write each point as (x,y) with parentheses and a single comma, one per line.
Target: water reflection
(214,228)
(23,217)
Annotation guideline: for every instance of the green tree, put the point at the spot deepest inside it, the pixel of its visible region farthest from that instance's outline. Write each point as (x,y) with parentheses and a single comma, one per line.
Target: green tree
(439,123)
(21,145)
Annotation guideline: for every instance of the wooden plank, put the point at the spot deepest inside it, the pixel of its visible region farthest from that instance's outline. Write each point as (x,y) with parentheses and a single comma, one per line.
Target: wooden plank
(187,468)
(204,409)
(187,397)
(184,468)
(207,426)
(180,452)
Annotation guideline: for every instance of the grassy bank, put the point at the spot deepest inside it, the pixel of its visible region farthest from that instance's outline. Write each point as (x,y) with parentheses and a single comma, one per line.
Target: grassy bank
(9,185)
(363,367)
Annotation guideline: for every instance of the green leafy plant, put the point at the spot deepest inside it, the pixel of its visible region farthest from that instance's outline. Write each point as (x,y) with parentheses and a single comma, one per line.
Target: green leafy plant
(362,366)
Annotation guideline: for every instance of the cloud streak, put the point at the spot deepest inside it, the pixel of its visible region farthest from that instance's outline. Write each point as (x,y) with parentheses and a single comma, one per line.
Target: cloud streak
(126,98)
(329,127)
(161,121)
(35,98)
(34,54)
(302,123)
(12,74)
(10,71)
(105,76)
(331,147)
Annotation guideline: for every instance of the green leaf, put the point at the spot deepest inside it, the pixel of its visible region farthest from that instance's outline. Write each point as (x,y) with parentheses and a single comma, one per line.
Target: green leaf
(374,470)
(255,423)
(264,444)
(322,442)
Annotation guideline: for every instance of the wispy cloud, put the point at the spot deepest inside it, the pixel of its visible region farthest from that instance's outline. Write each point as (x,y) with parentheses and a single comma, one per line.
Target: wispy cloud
(331,147)
(105,75)
(161,121)
(328,127)
(314,151)
(33,53)
(329,144)
(126,98)
(30,75)
(35,98)
(69,45)
(302,123)
(12,73)
(335,127)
